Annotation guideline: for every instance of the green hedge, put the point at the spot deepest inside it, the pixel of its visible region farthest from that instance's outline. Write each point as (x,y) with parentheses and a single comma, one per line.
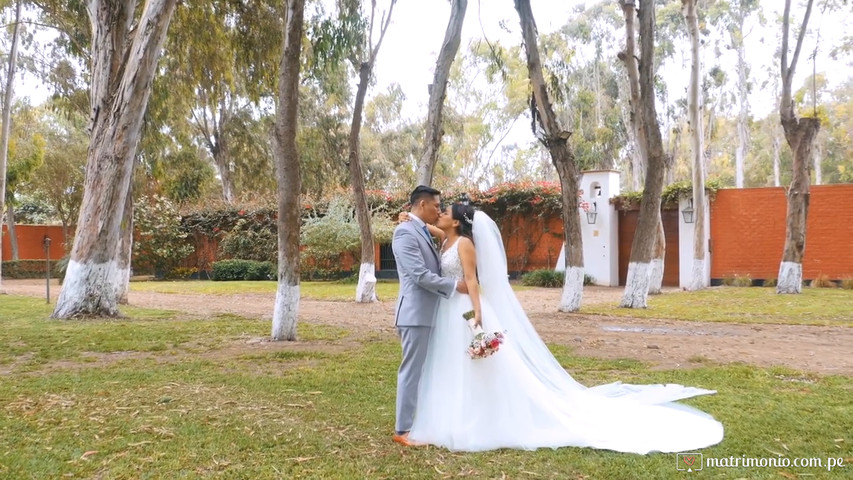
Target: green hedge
(230,270)
(27,269)
(543,278)
(549,278)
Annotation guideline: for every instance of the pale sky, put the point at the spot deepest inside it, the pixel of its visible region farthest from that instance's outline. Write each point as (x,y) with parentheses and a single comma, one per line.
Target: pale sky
(410,48)
(411,45)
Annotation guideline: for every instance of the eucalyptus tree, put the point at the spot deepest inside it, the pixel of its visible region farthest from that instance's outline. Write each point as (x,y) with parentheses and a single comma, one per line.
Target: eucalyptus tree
(732,15)
(642,247)
(552,135)
(362,57)
(694,101)
(438,90)
(6,119)
(639,126)
(58,181)
(219,70)
(322,139)
(25,155)
(286,310)
(125,46)
(838,148)
(390,144)
(488,90)
(800,133)
(600,134)
(813,95)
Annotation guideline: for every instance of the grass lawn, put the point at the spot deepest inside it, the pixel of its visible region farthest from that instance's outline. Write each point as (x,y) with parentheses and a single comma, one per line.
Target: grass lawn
(314,290)
(341,291)
(815,306)
(160,395)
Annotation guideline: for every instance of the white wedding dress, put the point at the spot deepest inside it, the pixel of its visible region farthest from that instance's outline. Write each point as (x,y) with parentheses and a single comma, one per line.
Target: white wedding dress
(521,397)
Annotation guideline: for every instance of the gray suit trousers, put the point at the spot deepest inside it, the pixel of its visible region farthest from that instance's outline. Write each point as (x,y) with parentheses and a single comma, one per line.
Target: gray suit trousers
(415,341)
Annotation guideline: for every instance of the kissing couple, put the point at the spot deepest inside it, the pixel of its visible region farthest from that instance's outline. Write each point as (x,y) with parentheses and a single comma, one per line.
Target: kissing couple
(520,397)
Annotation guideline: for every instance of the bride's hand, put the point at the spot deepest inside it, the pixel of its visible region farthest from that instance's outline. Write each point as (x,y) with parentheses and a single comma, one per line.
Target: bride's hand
(403,217)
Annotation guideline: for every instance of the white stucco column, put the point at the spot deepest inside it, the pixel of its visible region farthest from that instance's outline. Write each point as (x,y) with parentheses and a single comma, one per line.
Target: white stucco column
(600,239)
(685,243)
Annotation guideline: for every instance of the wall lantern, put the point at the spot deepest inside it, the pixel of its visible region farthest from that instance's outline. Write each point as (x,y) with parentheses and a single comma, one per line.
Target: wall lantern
(592,213)
(688,212)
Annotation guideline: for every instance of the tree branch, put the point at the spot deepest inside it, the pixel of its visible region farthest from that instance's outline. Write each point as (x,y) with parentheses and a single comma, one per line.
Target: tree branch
(800,38)
(387,21)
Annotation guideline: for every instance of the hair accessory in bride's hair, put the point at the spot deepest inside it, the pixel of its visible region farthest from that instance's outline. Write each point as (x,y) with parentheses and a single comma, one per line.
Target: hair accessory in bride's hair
(467,218)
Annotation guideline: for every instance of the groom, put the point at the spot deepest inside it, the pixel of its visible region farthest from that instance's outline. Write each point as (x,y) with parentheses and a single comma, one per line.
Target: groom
(418,269)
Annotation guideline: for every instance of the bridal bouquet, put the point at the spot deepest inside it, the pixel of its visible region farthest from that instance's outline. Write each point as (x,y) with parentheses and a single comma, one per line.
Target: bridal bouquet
(483,344)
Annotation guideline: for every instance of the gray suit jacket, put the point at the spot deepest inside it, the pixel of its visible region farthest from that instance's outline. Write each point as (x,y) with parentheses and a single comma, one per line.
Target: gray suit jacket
(418,269)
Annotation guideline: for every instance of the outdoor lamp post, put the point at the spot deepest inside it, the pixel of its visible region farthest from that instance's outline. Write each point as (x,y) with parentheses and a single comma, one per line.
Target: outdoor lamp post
(592,213)
(688,212)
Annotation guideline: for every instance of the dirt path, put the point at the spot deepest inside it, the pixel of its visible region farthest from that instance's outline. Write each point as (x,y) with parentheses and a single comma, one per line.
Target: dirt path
(663,343)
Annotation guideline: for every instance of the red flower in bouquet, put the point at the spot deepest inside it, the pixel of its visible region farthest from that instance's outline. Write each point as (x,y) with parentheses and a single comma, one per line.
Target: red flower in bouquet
(483,344)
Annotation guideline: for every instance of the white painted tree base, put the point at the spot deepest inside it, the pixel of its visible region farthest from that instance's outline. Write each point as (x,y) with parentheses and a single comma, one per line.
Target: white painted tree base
(698,279)
(570,301)
(286,311)
(656,276)
(790,278)
(636,286)
(89,289)
(365,292)
(123,286)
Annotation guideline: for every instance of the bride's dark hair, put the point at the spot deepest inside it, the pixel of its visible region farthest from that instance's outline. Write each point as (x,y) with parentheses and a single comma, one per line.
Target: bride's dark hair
(465,215)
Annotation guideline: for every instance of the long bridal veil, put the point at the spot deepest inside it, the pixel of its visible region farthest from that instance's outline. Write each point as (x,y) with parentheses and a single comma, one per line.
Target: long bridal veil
(495,288)
(521,397)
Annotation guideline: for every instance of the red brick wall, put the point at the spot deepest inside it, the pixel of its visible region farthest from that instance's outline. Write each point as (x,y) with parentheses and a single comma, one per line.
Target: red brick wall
(748,232)
(532,242)
(30,239)
(207,248)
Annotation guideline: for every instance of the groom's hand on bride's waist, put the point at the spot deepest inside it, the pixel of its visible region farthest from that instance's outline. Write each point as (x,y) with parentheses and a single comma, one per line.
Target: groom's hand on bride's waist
(462,287)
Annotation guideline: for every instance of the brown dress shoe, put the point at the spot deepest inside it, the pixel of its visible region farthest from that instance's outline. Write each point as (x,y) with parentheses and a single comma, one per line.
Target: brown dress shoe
(404,440)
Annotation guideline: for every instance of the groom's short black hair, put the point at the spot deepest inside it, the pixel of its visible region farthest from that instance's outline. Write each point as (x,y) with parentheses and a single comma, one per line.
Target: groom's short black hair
(420,192)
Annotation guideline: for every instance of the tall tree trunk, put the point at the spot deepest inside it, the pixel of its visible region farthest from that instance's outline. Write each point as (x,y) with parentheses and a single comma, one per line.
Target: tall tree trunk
(658,256)
(221,160)
(13,234)
(286,311)
(777,154)
(672,155)
(125,250)
(366,290)
(638,129)
(818,159)
(694,104)
(7,125)
(222,154)
(438,91)
(557,141)
(642,247)
(124,61)
(212,126)
(800,135)
(743,91)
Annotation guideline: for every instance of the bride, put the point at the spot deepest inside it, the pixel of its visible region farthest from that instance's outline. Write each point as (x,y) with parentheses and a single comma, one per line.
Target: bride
(521,397)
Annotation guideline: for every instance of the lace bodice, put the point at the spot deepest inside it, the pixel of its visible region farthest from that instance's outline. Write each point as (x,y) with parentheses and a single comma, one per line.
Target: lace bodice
(451,265)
